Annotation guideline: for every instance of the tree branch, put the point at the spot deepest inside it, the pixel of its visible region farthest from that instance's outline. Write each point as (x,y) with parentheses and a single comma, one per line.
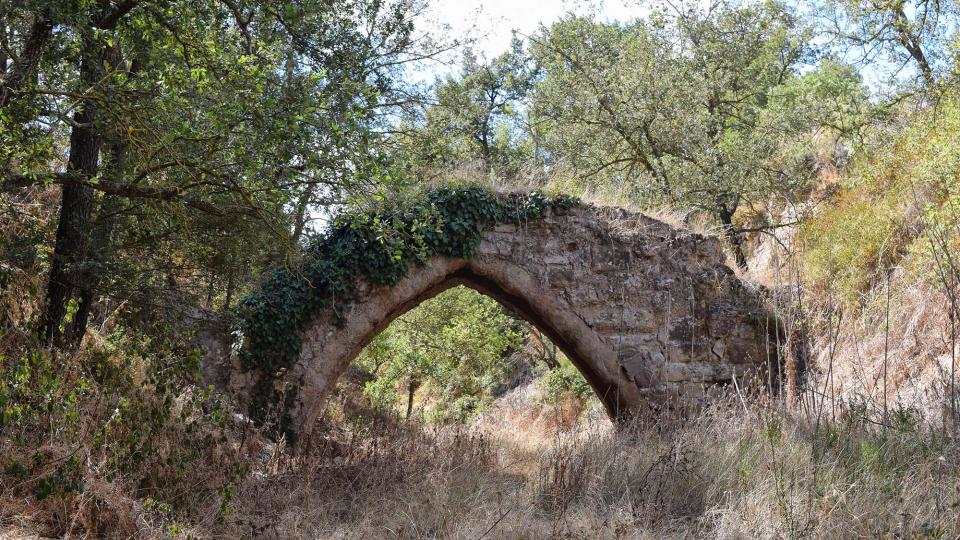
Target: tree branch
(129,191)
(111,16)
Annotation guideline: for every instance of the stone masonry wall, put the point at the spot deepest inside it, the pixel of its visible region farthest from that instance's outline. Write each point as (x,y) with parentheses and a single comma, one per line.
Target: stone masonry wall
(649,313)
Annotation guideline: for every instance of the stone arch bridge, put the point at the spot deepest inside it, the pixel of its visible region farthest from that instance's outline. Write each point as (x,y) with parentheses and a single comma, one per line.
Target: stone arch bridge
(649,313)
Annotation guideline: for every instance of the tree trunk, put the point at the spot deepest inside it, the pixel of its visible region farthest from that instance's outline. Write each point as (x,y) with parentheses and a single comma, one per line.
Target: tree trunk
(548,350)
(25,64)
(101,238)
(483,137)
(485,147)
(4,47)
(73,235)
(230,285)
(68,267)
(300,217)
(98,253)
(74,275)
(732,236)
(411,391)
(210,285)
(911,43)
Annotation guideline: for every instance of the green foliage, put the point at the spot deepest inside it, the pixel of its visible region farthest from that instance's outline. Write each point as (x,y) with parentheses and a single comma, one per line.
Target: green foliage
(892,34)
(900,198)
(32,388)
(694,108)
(475,117)
(452,350)
(851,243)
(565,380)
(210,129)
(461,410)
(380,244)
(128,413)
(810,115)
(670,109)
(64,480)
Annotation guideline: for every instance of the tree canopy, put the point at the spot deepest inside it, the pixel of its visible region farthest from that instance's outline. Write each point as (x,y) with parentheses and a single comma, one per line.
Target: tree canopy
(201,132)
(692,108)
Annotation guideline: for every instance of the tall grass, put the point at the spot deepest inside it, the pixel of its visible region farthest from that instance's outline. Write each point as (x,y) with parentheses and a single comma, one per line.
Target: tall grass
(735,470)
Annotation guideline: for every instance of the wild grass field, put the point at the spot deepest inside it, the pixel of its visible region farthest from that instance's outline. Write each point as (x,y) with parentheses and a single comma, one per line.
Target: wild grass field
(744,468)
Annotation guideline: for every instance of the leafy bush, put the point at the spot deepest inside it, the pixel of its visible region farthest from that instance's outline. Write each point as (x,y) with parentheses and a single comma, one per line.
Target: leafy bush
(849,244)
(461,410)
(565,380)
(127,413)
(896,201)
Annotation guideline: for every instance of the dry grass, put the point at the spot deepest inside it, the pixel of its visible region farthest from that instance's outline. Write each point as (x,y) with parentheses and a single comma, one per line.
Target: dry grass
(911,340)
(723,474)
(533,470)
(734,471)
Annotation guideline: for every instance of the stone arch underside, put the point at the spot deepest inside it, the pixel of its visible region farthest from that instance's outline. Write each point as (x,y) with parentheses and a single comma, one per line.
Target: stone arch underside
(649,313)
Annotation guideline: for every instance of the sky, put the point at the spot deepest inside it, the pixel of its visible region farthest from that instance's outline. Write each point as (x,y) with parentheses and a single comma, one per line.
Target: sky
(492,22)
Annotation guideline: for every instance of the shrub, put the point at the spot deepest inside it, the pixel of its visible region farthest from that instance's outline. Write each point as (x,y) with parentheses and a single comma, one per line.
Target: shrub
(565,380)
(849,244)
(127,414)
(897,197)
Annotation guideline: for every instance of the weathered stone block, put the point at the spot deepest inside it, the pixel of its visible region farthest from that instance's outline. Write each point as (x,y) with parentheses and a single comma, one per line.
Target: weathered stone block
(674,372)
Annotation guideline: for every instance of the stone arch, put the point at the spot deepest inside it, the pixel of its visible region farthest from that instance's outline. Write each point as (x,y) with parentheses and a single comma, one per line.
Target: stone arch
(649,313)
(509,284)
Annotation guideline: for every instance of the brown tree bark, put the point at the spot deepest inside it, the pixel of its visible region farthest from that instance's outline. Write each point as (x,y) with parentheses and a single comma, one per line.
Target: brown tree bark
(911,43)
(101,239)
(25,65)
(73,230)
(73,274)
(548,350)
(412,386)
(4,47)
(732,235)
(300,216)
